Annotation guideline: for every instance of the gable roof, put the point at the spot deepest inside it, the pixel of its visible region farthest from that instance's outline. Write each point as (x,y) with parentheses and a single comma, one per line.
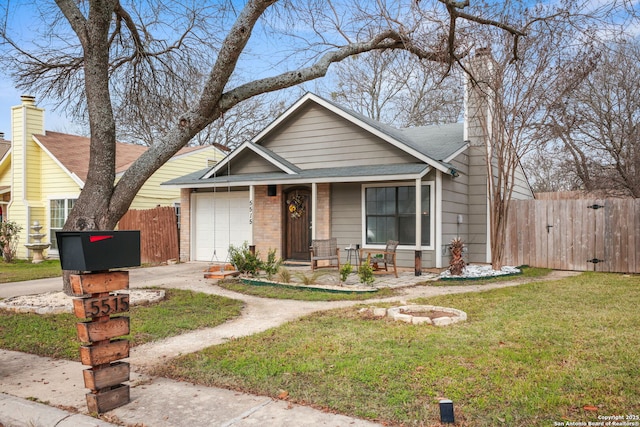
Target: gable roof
(431,146)
(71,152)
(268,155)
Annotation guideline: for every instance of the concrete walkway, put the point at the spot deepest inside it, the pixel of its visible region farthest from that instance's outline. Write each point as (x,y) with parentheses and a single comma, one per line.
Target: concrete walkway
(27,379)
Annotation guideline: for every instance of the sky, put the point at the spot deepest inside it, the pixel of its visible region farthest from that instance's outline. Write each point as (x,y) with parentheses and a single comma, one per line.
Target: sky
(21,19)
(9,95)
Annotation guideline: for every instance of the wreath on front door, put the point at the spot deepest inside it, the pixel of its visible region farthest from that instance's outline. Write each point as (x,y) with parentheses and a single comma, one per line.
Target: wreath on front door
(296,206)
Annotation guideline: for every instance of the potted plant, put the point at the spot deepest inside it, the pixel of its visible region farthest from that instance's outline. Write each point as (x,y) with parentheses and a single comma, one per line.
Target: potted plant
(456,264)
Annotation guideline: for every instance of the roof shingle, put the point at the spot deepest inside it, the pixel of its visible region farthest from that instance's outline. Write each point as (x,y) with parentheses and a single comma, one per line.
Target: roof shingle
(73,152)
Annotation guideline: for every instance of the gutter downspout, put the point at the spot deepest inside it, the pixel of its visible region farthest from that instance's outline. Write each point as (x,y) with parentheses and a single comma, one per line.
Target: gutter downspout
(25,201)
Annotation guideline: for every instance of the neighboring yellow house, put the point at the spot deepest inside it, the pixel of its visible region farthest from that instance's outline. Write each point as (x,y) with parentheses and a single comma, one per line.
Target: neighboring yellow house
(42,173)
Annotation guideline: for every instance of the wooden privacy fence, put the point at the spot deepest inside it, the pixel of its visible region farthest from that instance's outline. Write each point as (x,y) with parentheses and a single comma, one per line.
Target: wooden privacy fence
(158,233)
(581,235)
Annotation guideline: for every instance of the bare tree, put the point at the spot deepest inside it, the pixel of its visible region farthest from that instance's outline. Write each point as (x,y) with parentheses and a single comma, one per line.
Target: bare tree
(548,169)
(230,130)
(511,99)
(397,89)
(122,52)
(522,86)
(597,121)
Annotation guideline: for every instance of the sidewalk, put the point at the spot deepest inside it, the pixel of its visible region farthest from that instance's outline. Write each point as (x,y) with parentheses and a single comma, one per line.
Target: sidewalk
(154,401)
(160,402)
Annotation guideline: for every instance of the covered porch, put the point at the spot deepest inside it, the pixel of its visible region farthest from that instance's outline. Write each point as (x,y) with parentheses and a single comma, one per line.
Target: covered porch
(365,207)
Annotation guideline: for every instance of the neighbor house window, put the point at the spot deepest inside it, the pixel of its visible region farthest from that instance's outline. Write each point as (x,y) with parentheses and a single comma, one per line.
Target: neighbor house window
(59,210)
(390,214)
(176,207)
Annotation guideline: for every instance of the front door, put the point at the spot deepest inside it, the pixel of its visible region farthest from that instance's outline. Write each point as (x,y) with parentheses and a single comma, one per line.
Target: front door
(298,224)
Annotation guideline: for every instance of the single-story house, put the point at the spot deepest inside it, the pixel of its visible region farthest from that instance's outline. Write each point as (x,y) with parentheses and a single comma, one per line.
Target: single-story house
(43,172)
(321,171)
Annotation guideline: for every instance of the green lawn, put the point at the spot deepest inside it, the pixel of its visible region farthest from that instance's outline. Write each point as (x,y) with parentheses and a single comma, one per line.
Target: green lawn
(531,355)
(21,270)
(55,335)
(536,354)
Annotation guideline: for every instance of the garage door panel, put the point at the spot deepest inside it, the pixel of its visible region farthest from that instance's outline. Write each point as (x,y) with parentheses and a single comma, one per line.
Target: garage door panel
(220,220)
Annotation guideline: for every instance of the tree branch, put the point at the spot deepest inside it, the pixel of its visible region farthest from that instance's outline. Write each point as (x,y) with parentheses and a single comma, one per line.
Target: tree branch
(123,15)
(76,19)
(387,40)
(232,47)
(490,22)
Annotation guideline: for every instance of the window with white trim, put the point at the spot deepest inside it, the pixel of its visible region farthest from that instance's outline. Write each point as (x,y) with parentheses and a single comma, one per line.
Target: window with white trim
(390,214)
(59,210)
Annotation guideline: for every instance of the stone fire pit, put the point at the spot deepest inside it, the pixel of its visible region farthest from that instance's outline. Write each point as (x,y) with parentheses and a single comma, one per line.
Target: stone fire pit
(422,314)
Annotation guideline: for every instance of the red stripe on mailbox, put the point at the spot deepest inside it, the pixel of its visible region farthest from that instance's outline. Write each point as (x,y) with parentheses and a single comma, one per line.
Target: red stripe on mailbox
(98,238)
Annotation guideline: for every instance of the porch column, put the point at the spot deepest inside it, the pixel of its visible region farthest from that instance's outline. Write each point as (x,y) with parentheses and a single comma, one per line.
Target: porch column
(438,220)
(252,197)
(314,204)
(418,253)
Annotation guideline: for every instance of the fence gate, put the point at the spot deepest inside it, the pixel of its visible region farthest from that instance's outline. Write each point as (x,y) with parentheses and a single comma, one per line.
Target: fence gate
(581,235)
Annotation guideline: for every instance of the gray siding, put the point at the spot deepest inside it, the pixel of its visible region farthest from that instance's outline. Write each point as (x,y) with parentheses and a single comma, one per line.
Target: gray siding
(346,225)
(318,138)
(249,162)
(346,219)
(521,189)
(455,201)
(477,230)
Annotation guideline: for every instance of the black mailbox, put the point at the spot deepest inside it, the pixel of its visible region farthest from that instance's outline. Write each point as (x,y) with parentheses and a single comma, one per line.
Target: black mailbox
(98,250)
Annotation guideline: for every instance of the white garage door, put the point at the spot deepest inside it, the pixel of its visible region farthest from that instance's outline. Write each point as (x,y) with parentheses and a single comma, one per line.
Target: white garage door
(219,219)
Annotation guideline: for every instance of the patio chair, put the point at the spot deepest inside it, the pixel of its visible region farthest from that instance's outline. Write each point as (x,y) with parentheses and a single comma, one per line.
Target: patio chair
(388,256)
(325,250)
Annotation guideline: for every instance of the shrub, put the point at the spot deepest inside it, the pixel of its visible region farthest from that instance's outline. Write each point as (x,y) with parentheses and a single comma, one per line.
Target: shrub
(365,272)
(284,275)
(309,279)
(345,271)
(272,264)
(9,238)
(244,260)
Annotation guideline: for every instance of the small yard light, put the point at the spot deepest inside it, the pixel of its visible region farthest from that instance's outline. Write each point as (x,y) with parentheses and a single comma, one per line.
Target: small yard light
(446,411)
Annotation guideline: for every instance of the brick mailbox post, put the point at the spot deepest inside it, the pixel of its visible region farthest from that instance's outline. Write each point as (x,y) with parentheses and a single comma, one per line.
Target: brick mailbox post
(94,253)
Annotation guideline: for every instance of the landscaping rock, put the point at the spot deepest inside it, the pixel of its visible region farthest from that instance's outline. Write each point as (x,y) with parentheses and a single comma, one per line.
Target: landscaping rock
(379,311)
(407,318)
(421,320)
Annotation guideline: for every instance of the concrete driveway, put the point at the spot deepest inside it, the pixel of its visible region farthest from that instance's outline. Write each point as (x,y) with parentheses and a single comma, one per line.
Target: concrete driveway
(175,275)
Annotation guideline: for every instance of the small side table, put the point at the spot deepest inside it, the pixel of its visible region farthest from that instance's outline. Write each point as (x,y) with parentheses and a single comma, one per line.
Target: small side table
(352,251)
